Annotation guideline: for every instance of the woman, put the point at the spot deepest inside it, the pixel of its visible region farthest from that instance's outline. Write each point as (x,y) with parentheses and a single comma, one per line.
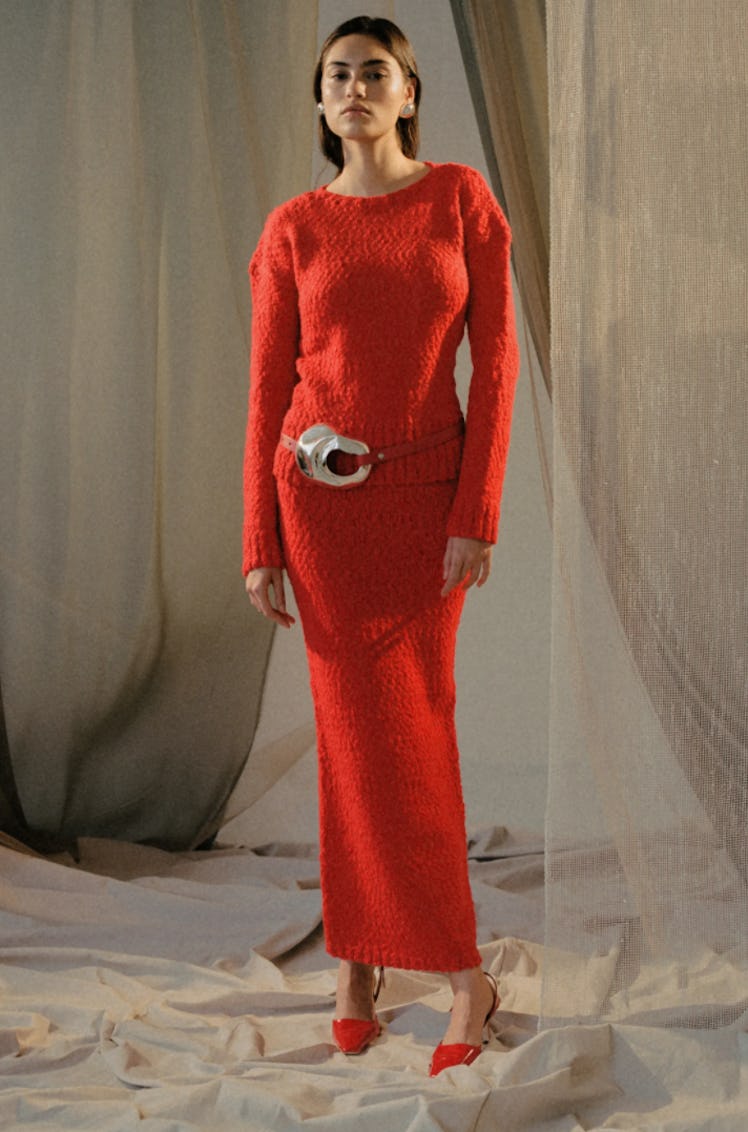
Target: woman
(362,482)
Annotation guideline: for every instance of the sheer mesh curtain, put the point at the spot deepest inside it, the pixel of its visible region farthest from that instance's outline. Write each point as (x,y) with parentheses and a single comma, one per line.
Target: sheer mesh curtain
(504,52)
(142,154)
(503,47)
(646,853)
(649,144)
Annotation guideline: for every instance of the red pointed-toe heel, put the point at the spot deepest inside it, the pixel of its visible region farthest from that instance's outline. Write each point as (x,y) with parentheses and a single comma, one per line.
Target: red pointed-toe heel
(461,1053)
(354,1035)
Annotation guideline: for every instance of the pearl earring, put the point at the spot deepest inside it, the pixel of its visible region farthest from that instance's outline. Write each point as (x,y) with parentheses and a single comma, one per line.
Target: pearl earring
(320,109)
(408,110)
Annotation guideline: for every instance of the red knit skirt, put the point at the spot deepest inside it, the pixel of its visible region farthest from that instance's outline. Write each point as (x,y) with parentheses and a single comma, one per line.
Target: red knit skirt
(366,567)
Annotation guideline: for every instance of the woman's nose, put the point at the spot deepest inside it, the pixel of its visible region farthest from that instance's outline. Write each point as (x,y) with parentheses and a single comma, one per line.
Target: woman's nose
(356,85)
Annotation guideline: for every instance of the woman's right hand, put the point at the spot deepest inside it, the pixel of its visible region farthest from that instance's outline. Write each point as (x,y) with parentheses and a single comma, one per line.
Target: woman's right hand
(258,584)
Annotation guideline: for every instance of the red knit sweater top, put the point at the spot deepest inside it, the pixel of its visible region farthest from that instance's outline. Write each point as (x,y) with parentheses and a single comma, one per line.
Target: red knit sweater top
(358,307)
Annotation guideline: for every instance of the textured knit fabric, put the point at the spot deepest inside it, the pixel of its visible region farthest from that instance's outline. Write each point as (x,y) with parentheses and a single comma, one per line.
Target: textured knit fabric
(359,304)
(365,567)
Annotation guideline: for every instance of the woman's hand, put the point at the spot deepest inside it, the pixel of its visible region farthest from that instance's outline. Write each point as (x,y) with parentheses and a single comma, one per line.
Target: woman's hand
(467,561)
(259,583)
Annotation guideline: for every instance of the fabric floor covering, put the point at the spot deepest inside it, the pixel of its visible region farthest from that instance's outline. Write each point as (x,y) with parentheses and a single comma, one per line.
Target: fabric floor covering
(159,991)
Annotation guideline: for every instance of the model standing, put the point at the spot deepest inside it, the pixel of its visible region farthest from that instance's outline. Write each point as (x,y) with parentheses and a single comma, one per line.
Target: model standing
(363,483)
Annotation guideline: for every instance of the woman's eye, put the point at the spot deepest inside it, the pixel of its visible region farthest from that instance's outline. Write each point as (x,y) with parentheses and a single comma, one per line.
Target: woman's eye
(376,75)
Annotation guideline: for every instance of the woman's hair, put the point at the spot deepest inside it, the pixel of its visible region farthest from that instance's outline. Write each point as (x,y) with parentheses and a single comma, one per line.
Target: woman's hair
(397,44)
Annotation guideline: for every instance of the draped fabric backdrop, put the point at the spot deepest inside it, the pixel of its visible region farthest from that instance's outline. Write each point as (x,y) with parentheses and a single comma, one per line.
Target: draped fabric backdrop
(648,783)
(148,142)
(646,856)
(143,145)
(139,166)
(504,51)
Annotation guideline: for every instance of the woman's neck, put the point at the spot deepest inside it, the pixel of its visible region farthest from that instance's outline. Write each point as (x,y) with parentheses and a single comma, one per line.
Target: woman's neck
(370,170)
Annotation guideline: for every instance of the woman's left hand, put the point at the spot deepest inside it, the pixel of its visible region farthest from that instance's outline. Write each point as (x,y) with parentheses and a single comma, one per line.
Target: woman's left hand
(467,562)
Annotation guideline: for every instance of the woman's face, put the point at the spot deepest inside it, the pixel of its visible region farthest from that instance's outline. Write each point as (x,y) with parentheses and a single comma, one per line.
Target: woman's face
(363,89)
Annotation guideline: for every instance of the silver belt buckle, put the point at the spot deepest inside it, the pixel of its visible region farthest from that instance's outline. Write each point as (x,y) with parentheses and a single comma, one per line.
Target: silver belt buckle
(314,448)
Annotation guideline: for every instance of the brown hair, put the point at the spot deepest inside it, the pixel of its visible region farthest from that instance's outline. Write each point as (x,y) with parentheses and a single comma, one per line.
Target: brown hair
(397,44)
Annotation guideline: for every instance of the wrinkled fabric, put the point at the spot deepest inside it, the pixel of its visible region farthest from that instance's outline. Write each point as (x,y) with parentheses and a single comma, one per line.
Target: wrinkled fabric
(160,991)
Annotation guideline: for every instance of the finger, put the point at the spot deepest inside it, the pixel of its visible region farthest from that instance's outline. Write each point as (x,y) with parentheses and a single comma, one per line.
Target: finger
(260,598)
(455,574)
(447,561)
(285,620)
(280,617)
(485,572)
(258,588)
(279,591)
(472,573)
(279,611)
(479,569)
(449,570)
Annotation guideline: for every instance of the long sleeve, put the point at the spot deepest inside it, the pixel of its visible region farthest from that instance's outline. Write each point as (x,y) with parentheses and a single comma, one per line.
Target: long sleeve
(495,360)
(275,343)
(345,331)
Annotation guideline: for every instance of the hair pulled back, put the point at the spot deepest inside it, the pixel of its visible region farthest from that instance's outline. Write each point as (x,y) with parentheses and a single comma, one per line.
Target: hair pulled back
(397,44)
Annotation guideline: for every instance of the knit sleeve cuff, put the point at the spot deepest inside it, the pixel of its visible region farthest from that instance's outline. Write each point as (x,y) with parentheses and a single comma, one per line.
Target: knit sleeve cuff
(262,549)
(479,522)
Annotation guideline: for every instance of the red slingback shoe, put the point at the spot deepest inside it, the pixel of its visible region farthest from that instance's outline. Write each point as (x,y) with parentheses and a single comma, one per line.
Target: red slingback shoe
(460,1053)
(354,1035)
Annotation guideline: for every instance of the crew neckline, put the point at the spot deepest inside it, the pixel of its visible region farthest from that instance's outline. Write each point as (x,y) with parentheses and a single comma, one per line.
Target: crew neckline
(381,196)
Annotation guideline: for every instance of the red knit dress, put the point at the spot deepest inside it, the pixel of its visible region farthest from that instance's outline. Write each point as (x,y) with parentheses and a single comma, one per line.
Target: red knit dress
(359,304)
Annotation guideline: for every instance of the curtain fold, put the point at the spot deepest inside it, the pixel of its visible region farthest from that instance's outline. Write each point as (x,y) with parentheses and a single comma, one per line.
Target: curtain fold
(647,863)
(144,155)
(504,52)
(649,139)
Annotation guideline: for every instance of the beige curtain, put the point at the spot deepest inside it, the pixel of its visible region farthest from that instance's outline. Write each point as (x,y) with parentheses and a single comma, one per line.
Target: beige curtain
(504,51)
(646,855)
(143,145)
